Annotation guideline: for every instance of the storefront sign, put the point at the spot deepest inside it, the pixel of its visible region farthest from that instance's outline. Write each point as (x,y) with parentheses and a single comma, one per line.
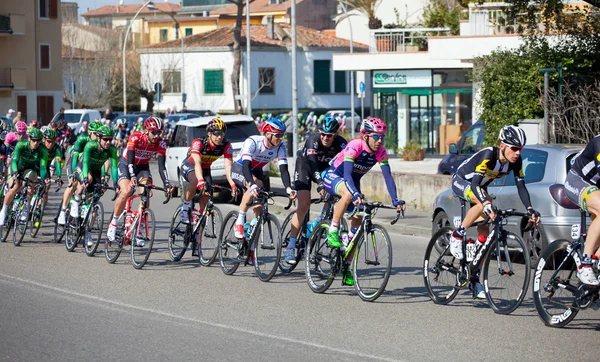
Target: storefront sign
(401,78)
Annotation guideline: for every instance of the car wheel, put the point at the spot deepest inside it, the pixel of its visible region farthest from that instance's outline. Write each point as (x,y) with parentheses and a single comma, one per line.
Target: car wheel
(535,236)
(439,221)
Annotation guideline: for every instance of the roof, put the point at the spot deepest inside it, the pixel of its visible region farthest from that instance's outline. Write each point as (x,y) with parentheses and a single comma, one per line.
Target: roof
(200,8)
(100,31)
(131,9)
(76,53)
(223,37)
(257,6)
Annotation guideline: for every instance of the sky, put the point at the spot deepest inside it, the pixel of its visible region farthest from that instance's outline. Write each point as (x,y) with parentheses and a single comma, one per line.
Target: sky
(84,5)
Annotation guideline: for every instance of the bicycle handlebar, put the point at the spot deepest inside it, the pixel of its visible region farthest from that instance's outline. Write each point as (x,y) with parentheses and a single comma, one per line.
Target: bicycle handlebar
(368,206)
(264,195)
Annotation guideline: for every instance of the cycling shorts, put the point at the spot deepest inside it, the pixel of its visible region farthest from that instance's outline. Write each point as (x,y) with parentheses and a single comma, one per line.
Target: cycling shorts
(462,189)
(332,183)
(237,174)
(141,171)
(302,179)
(579,189)
(95,174)
(187,168)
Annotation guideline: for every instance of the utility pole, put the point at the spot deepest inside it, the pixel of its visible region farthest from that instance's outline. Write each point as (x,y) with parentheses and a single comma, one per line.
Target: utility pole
(249,80)
(548,132)
(294,82)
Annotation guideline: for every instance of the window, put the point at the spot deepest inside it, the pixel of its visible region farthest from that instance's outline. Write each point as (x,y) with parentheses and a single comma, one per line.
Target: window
(48,9)
(266,80)
(171,81)
(45,56)
(43,8)
(86,117)
(236,132)
(104,22)
(340,81)
(471,142)
(534,166)
(179,138)
(163,35)
(45,109)
(189,31)
(213,81)
(322,83)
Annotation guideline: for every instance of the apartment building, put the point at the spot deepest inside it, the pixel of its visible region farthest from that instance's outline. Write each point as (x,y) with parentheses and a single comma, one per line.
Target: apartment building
(31,65)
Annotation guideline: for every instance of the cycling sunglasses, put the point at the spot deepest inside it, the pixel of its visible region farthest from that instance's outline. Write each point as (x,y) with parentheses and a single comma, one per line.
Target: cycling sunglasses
(35,140)
(278,135)
(515,148)
(22,134)
(106,139)
(156,133)
(327,135)
(377,137)
(218,133)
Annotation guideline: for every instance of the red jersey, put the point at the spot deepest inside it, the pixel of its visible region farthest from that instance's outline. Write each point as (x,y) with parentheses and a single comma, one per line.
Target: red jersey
(144,151)
(209,153)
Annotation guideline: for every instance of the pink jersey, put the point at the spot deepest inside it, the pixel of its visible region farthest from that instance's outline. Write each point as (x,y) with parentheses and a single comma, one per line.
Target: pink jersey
(11,139)
(360,155)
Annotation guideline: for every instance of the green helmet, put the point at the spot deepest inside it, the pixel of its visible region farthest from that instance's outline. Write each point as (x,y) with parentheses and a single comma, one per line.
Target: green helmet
(300,115)
(285,117)
(105,131)
(94,126)
(48,132)
(33,132)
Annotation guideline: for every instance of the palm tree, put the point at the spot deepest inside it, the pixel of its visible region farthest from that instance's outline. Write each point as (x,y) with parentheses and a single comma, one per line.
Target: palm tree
(367,8)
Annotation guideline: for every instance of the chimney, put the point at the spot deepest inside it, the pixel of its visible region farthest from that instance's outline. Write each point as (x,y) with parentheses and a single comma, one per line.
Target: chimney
(270,27)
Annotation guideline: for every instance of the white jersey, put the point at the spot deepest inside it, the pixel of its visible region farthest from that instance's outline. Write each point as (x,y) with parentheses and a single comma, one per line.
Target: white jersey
(255,150)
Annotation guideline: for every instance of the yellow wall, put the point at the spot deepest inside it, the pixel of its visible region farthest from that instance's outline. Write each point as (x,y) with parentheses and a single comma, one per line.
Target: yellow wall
(198,26)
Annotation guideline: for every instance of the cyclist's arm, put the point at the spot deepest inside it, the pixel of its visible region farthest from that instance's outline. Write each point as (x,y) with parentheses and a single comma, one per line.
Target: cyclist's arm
(283,167)
(43,163)
(58,157)
(15,157)
(389,181)
(520,182)
(311,156)
(348,165)
(162,170)
(114,157)
(131,143)
(86,160)
(195,154)
(228,162)
(247,151)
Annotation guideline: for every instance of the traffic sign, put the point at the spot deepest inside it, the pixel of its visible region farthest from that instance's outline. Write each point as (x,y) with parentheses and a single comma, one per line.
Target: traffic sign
(73,87)
(157,87)
(362,87)
(184,97)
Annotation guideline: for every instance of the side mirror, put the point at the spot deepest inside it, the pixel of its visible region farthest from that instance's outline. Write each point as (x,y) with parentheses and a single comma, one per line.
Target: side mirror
(453,149)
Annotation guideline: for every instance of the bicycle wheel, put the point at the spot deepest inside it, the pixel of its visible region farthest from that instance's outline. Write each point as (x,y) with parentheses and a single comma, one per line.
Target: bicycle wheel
(178,239)
(209,245)
(72,233)
(8,224)
(141,244)
(59,230)
(555,285)
(113,249)
(372,264)
(286,228)
(37,212)
(229,245)
(21,221)
(267,248)
(440,268)
(95,225)
(506,272)
(321,259)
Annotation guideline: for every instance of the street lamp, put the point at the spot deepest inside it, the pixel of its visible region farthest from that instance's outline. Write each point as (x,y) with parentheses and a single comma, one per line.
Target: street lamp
(125,58)
(178,27)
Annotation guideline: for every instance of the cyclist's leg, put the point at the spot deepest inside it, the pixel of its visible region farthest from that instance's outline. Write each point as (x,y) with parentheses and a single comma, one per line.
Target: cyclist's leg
(124,190)
(33,176)
(144,178)
(189,188)
(302,185)
(335,186)
(14,187)
(237,175)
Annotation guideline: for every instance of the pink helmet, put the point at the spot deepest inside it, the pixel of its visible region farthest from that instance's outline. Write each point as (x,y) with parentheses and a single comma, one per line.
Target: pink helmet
(21,127)
(373,125)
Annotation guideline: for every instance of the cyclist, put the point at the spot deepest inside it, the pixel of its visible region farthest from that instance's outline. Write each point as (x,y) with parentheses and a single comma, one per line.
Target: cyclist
(581,187)
(343,179)
(476,173)
(12,138)
(311,160)
(55,154)
(133,166)
(247,173)
(196,168)
(3,155)
(28,157)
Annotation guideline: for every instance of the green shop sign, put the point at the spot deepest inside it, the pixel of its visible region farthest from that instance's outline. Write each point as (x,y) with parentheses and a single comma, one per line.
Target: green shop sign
(389,78)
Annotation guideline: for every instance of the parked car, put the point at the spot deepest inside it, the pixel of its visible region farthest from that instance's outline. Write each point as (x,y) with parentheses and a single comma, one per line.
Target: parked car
(467,146)
(239,128)
(76,117)
(7,122)
(337,113)
(544,166)
(131,119)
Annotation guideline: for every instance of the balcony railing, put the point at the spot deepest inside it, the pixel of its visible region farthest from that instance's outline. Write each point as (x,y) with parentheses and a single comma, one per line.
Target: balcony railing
(5,24)
(402,40)
(12,24)
(5,78)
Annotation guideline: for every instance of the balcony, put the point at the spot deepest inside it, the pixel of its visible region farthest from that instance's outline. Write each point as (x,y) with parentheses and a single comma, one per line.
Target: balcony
(13,78)
(409,40)
(12,24)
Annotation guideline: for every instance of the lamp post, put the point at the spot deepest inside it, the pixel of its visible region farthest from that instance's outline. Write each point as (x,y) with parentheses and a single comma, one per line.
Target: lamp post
(125,58)
(546,127)
(249,82)
(351,72)
(178,32)
(294,81)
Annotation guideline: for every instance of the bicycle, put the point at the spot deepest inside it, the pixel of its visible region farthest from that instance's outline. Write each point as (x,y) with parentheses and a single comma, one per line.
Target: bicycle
(38,206)
(267,253)
(323,262)
(142,222)
(303,232)
(21,213)
(181,235)
(445,275)
(558,294)
(77,228)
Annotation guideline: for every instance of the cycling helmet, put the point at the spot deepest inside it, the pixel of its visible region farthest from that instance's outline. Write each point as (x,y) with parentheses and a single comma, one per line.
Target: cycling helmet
(153,124)
(48,132)
(373,125)
(94,126)
(34,123)
(33,132)
(329,125)
(21,127)
(216,124)
(273,125)
(512,136)
(105,131)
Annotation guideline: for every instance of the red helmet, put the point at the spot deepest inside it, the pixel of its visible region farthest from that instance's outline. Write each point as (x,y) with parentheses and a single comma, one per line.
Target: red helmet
(153,124)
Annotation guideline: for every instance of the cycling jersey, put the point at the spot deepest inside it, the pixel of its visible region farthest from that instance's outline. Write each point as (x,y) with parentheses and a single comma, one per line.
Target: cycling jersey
(255,150)
(55,153)
(484,167)
(94,158)
(77,148)
(10,141)
(24,158)
(121,133)
(317,156)
(144,150)
(209,153)
(587,163)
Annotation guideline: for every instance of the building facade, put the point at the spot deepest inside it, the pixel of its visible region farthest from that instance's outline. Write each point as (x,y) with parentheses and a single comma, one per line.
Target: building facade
(31,65)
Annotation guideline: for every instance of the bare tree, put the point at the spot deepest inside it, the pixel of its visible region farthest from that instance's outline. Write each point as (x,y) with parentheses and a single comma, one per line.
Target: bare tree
(266,79)
(575,116)
(237,51)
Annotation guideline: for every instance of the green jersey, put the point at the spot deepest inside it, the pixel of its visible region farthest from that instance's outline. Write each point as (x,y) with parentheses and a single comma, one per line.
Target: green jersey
(23,158)
(80,143)
(94,158)
(56,154)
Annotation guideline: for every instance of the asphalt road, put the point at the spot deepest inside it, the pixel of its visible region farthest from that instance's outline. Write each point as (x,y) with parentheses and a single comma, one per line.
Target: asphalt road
(60,306)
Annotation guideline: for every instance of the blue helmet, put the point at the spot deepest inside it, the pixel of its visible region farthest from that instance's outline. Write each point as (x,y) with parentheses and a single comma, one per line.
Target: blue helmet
(329,125)
(273,125)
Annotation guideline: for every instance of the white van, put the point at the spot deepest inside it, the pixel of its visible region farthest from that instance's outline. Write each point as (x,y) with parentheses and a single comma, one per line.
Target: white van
(76,117)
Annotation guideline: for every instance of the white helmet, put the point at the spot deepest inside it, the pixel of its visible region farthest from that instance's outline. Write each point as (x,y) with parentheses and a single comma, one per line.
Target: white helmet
(512,136)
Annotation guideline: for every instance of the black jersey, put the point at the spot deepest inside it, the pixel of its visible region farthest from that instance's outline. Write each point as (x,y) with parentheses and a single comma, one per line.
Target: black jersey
(587,162)
(319,156)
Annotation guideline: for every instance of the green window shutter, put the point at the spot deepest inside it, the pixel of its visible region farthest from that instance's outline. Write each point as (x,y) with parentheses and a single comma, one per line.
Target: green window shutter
(188,31)
(321,76)
(340,81)
(163,35)
(213,81)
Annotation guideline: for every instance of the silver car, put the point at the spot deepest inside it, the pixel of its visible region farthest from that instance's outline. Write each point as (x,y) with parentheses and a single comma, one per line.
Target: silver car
(543,165)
